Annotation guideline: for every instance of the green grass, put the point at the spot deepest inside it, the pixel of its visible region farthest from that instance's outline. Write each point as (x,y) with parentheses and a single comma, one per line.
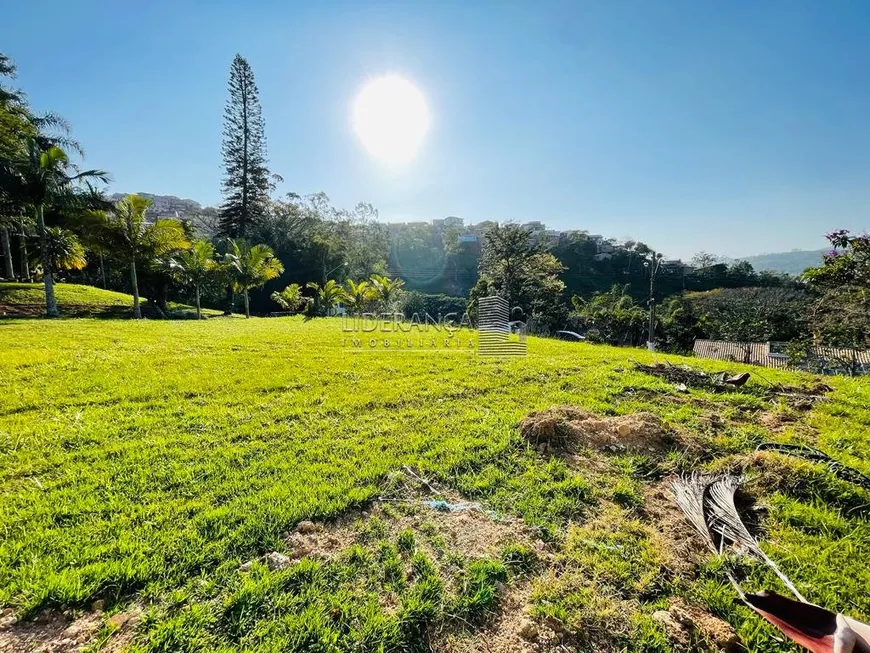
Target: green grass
(146,460)
(28,299)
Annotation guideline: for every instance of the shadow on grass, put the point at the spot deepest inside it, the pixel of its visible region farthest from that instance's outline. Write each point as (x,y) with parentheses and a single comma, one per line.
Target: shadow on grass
(37,312)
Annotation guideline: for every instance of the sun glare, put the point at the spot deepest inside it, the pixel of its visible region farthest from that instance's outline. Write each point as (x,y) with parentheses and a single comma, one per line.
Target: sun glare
(391,118)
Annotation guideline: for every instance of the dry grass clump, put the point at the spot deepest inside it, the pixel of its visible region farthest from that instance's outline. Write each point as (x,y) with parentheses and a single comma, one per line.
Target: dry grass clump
(566,427)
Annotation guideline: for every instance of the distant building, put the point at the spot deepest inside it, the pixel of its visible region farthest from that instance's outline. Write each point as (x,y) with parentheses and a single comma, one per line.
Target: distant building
(453,221)
(676,266)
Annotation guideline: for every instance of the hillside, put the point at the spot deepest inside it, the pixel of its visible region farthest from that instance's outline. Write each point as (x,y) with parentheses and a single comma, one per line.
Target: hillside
(793,263)
(74,300)
(166,205)
(253,485)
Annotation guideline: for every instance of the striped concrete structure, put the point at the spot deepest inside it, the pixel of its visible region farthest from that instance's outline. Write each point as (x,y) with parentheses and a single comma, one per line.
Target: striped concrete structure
(497,335)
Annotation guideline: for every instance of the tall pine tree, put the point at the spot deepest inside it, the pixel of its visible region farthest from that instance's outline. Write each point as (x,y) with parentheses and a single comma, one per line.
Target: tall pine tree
(246,177)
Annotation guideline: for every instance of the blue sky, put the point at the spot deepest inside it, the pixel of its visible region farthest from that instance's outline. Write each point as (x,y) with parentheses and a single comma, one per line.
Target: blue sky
(736,127)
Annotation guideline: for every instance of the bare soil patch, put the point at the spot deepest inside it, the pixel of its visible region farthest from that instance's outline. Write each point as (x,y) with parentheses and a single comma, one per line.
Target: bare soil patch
(56,631)
(512,630)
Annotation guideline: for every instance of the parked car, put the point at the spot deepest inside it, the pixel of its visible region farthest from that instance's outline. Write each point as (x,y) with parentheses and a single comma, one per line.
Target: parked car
(569,335)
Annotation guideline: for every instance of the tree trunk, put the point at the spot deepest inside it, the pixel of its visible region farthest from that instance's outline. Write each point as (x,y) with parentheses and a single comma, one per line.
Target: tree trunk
(102,270)
(50,302)
(7,253)
(25,266)
(198,311)
(231,300)
(247,305)
(163,299)
(137,310)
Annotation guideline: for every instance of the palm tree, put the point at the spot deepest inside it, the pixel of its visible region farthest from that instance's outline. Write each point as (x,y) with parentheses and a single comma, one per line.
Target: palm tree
(251,267)
(40,178)
(326,297)
(358,295)
(291,298)
(196,267)
(140,241)
(386,289)
(65,250)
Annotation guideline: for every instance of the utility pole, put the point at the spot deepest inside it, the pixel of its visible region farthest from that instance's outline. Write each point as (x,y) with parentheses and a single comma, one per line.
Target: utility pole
(653,268)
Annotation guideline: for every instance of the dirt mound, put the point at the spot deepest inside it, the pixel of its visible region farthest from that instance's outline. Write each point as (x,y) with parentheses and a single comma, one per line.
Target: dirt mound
(565,427)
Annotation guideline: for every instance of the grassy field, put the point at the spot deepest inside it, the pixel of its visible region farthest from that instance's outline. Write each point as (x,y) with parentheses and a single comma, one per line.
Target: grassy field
(142,463)
(28,300)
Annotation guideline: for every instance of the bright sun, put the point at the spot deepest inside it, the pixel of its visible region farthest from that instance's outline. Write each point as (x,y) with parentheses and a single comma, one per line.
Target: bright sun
(391,118)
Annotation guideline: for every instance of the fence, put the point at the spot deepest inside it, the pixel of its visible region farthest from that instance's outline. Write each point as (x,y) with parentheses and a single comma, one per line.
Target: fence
(827,360)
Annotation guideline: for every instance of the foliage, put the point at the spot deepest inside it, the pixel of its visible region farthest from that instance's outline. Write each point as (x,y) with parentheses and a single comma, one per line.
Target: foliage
(367,243)
(515,266)
(326,298)
(64,250)
(751,314)
(678,325)
(841,316)
(704,259)
(246,176)
(613,317)
(421,304)
(290,299)
(846,264)
(251,267)
(387,291)
(140,244)
(196,267)
(40,177)
(358,295)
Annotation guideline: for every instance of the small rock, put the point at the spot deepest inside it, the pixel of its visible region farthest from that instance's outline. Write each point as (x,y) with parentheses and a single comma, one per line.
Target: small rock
(306,527)
(301,550)
(528,629)
(7,618)
(246,566)
(97,606)
(129,618)
(663,617)
(555,625)
(276,561)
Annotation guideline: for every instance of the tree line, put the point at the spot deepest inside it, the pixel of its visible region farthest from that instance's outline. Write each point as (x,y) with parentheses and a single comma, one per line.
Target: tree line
(66,226)
(302,254)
